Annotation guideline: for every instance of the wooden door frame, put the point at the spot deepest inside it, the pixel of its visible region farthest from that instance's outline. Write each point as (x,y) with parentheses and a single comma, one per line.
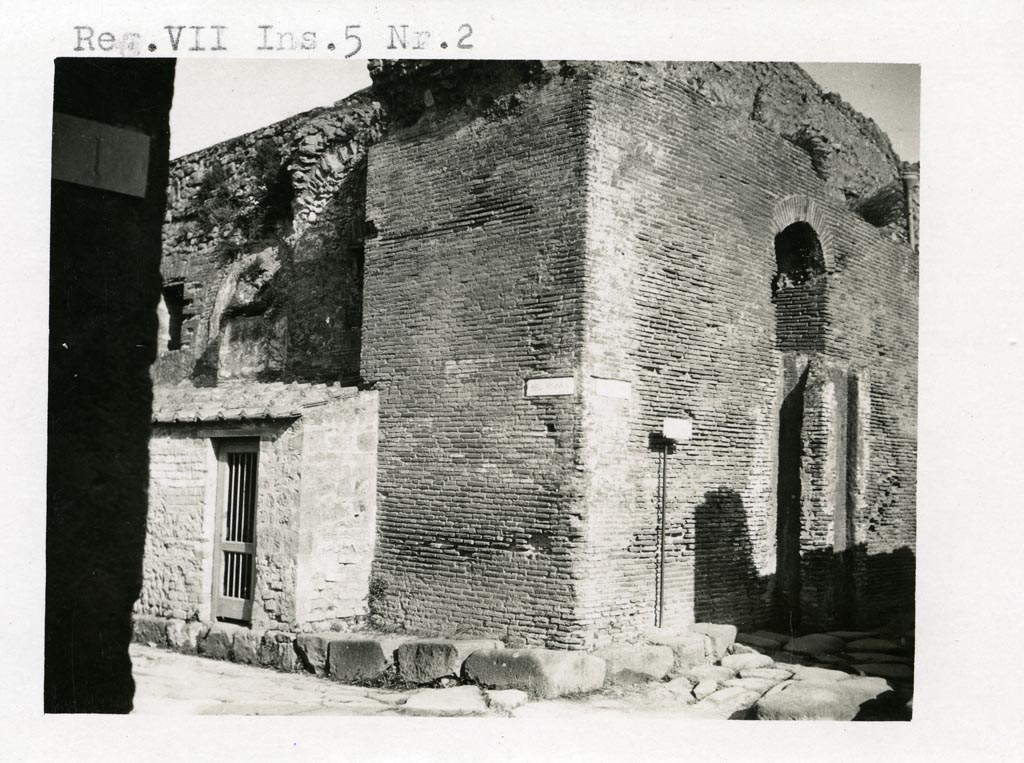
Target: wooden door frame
(227,607)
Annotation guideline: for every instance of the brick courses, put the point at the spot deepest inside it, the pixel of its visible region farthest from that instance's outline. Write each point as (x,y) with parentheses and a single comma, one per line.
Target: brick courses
(614,224)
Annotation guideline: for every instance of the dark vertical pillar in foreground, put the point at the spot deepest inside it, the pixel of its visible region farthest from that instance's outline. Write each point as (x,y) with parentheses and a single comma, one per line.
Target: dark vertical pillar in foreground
(104,288)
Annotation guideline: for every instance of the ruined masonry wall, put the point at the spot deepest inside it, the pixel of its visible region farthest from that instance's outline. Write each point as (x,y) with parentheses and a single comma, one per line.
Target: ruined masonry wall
(473,286)
(292,193)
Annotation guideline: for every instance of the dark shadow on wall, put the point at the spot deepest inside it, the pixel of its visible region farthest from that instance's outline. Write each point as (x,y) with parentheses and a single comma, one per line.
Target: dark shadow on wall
(727,587)
(789,495)
(868,591)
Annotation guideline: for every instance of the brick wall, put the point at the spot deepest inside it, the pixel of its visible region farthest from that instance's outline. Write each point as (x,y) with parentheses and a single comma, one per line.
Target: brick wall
(473,286)
(685,198)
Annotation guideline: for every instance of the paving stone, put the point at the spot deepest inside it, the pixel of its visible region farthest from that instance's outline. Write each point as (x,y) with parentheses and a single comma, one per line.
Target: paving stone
(863,689)
(688,649)
(789,658)
(731,702)
(423,661)
(457,701)
(893,670)
(803,673)
(878,657)
(680,686)
(873,645)
(760,685)
(355,658)
(722,636)
(713,672)
(798,701)
(779,638)
(773,674)
(837,661)
(705,688)
(740,662)
(757,642)
(815,644)
(543,673)
(504,701)
(852,635)
(636,663)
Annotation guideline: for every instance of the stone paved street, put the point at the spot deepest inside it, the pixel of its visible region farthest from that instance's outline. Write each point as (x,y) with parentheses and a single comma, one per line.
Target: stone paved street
(168,683)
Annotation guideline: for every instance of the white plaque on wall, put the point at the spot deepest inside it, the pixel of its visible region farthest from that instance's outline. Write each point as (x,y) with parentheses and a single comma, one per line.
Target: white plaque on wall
(613,388)
(551,385)
(679,430)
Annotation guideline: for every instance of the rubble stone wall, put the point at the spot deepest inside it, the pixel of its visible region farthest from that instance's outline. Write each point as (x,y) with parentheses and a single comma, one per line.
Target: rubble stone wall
(265,233)
(314,516)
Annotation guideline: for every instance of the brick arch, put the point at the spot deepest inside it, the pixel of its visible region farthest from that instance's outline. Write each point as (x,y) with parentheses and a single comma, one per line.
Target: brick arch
(797,209)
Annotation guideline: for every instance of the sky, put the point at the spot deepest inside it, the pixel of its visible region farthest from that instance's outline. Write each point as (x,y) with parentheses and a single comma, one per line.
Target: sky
(217,99)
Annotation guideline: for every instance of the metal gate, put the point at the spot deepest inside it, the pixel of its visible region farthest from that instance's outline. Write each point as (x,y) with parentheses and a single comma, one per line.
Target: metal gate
(235,553)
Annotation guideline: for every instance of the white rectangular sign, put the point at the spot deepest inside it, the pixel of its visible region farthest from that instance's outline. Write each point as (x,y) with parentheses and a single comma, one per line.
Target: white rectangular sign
(100,156)
(679,430)
(616,388)
(552,385)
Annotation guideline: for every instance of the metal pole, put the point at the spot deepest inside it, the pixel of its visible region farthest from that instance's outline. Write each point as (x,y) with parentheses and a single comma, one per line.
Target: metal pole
(661,540)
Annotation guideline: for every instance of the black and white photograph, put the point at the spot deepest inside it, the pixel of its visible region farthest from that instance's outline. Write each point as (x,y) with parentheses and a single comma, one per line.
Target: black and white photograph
(394,375)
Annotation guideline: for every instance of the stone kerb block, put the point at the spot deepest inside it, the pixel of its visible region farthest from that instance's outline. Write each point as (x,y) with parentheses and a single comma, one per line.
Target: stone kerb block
(244,647)
(147,629)
(357,658)
(543,673)
(218,641)
(277,650)
(636,663)
(311,649)
(423,661)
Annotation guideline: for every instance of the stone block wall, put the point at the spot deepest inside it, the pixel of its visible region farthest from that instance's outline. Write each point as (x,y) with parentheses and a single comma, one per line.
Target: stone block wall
(473,286)
(338,500)
(315,508)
